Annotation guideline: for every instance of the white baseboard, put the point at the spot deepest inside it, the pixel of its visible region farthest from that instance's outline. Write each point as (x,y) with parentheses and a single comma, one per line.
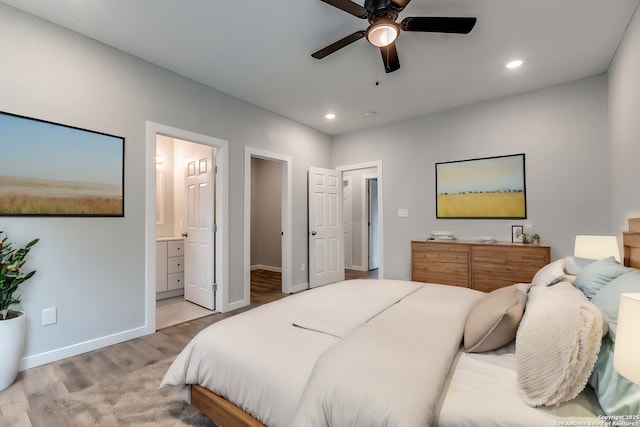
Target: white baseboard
(358,268)
(266,267)
(83,347)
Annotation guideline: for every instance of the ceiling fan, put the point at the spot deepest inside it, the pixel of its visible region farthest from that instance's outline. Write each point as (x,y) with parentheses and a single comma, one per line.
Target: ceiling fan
(383,29)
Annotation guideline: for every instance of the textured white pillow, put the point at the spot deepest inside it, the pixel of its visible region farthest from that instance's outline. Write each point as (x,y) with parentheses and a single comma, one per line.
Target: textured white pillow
(549,274)
(557,344)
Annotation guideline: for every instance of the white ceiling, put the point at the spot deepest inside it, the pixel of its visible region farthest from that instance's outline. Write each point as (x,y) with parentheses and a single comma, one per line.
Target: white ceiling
(259,51)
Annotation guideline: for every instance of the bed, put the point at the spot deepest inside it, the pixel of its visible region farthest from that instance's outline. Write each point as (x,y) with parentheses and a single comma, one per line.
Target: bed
(398,353)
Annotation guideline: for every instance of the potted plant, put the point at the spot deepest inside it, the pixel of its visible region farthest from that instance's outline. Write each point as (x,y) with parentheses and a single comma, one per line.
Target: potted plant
(13,324)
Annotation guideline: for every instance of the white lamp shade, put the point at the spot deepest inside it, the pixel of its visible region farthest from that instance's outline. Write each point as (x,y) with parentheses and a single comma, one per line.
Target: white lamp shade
(626,357)
(596,247)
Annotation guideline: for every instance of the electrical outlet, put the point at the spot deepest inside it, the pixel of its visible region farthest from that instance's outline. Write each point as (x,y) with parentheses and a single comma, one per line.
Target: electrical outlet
(49,316)
(302,267)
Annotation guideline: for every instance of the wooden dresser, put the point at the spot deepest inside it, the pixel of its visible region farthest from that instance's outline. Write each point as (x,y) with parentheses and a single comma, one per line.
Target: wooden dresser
(481,266)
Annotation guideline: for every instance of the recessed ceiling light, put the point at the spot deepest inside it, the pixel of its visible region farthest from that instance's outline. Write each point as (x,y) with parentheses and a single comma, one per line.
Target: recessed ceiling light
(330,116)
(514,64)
(370,114)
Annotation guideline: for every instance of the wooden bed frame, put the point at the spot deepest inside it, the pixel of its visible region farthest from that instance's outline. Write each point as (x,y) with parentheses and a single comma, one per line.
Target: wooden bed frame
(224,413)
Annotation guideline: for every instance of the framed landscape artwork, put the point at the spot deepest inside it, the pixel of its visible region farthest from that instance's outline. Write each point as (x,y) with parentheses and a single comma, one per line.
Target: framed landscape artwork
(50,169)
(490,187)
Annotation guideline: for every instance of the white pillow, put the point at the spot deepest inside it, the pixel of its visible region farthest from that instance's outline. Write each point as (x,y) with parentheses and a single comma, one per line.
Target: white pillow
(550,274)
(557,344)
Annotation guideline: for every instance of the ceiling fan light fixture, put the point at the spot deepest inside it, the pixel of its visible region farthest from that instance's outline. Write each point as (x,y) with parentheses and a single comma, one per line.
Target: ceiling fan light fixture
(382,33)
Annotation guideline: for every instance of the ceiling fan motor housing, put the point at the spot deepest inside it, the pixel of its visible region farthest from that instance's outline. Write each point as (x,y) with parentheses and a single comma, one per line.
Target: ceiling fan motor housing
(382,6)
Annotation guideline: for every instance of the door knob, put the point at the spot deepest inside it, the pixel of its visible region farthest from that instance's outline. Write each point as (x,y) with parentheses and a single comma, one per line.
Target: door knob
(185,235)
(313,233)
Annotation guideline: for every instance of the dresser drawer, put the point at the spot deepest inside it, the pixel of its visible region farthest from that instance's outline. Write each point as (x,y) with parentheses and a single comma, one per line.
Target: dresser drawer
(446,274)
(175,248)
(448,257)
(509,274)
(175,265)
(534,257)
(175,281)
(489,255)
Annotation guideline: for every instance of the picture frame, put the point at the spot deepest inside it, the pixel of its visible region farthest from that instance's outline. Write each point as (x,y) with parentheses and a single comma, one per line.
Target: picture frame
(52,169)
(482,188)
(517,233)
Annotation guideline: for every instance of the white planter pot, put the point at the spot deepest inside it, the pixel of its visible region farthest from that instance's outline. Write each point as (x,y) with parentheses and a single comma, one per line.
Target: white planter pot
(12,336)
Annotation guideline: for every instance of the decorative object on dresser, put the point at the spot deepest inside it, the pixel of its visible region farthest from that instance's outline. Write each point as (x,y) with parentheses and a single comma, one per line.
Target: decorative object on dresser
(490,187)
(481,266)
(517,233)
(442,235)
(169,267)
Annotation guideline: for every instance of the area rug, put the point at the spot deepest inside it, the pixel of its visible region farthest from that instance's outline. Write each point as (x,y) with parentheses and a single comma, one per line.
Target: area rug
(133,400)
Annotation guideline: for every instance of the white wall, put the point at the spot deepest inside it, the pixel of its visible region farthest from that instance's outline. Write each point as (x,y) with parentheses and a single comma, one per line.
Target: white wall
(93,269)
(562,130)
(624,129)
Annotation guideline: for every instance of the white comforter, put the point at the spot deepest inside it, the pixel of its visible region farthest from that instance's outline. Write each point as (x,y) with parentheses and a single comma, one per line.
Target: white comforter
(369,353)
(389,372)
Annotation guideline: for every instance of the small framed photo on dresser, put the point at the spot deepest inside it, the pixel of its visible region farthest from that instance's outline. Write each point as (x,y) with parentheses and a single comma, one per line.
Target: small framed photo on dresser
(517,233)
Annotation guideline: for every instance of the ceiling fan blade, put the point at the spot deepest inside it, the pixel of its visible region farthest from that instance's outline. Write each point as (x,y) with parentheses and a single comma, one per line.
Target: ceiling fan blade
(349,7)
(438,24)
(399,4)
(338,45)
(390,58)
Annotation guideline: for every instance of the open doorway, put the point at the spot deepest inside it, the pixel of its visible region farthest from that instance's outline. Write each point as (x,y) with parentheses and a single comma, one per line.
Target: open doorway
(185,219)
(266,227)
(187,207)
(268,223)
(362,213)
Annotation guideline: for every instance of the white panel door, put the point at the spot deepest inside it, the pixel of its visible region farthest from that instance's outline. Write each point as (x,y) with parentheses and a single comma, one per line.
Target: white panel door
(326,243)
(200,219)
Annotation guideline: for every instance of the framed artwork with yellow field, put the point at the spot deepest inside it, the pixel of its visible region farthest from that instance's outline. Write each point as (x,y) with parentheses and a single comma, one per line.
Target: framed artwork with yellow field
(50,169)
(483,188)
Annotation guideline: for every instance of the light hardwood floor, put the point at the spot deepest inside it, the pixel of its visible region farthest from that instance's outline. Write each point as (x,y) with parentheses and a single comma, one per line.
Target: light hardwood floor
(27,403)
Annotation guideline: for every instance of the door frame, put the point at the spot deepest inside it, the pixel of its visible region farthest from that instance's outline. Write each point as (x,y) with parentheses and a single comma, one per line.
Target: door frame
(370,233)
(222,200)
(378,165)
(286,218)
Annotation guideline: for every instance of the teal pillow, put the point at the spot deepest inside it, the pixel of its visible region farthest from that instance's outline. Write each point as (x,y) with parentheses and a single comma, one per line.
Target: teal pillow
(616,394)
(596,275)
(608,299)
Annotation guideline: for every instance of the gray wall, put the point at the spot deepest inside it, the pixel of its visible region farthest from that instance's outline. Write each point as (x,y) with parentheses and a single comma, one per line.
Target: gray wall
(93,269)
(562,130)
(624,129)
(266,218)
